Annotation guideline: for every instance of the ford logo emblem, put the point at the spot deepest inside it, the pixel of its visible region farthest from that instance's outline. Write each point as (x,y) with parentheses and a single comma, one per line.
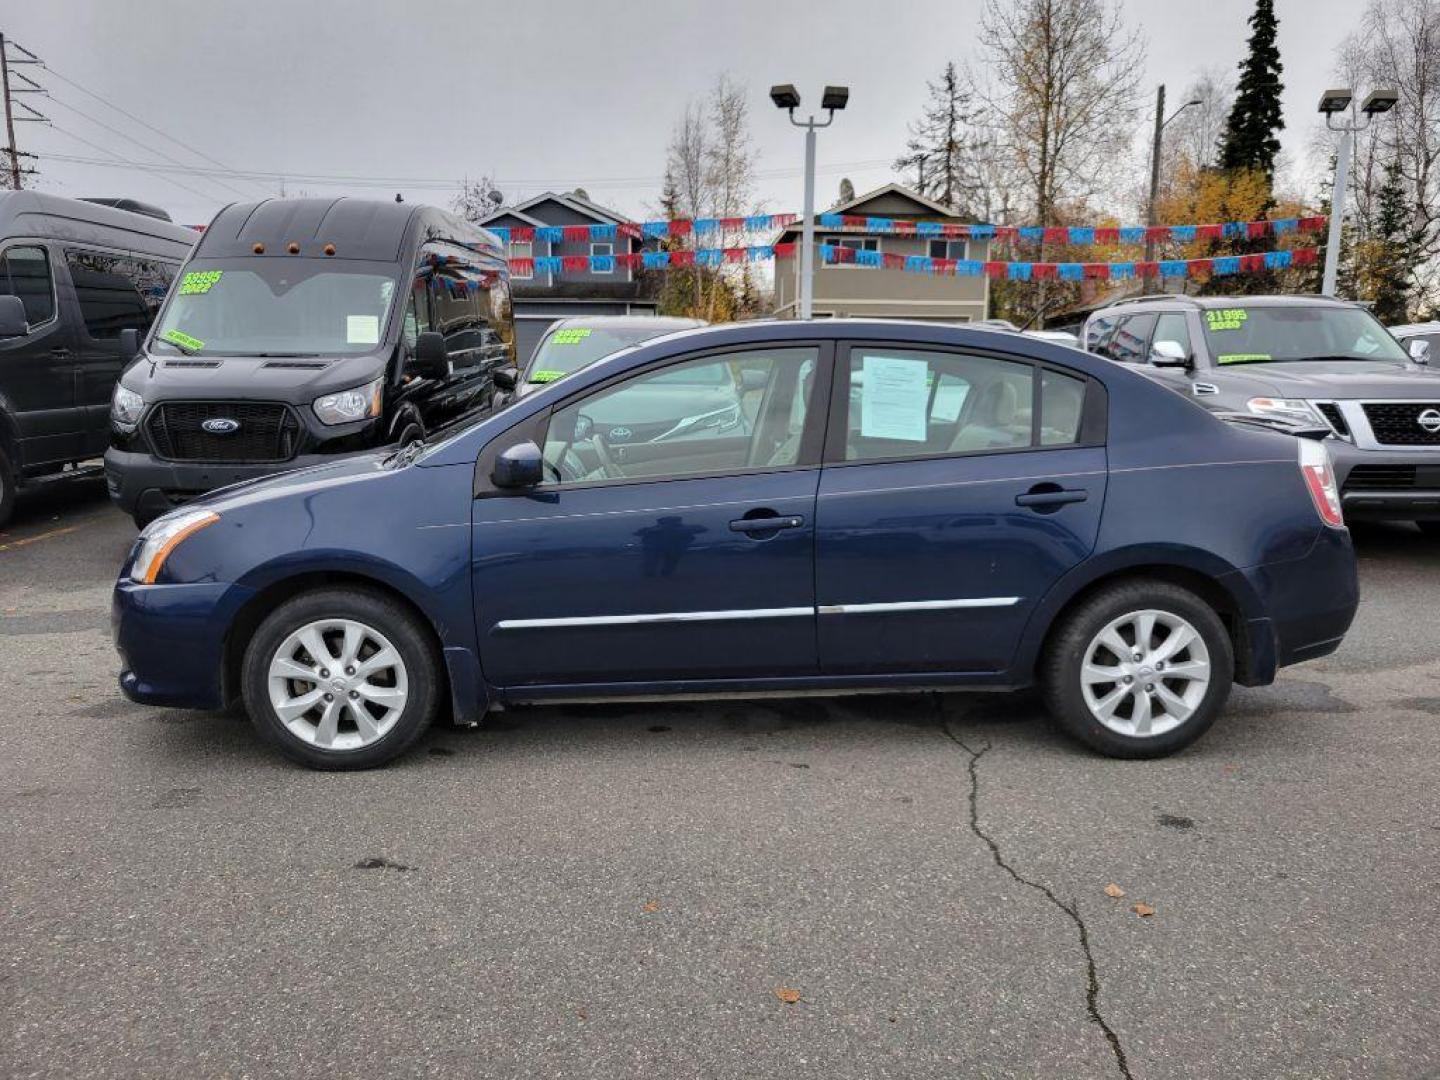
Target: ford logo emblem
(1429,420)
(620,434)
(220,425)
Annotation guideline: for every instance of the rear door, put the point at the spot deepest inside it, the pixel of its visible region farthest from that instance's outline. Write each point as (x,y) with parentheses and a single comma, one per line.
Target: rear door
(958,487)
(686,556)
(37,384)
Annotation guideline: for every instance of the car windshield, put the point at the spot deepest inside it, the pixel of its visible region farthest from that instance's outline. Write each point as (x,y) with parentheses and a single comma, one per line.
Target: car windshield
(1262,334)
(278,306)
(570,348)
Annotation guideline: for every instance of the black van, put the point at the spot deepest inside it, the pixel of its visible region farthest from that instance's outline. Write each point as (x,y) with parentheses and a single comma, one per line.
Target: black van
(304,328)
(74,276)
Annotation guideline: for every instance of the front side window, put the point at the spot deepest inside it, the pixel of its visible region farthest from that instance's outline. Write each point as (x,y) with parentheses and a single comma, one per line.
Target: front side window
(1263,334)
(116,292)
(25,272)
(1128,343)
(279,306)
(715,415)
(906,403)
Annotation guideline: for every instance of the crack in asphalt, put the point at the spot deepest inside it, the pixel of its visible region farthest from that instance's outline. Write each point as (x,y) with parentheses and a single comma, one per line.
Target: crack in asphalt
(1071,910)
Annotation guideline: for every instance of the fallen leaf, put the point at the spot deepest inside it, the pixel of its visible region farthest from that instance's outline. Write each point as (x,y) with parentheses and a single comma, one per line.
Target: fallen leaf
(582,1014)
(1143,910)
(651,907)
(785,994)
(1114,890)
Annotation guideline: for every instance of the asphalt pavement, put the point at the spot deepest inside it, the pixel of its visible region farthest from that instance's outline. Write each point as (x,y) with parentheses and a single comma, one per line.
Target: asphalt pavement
(635,891)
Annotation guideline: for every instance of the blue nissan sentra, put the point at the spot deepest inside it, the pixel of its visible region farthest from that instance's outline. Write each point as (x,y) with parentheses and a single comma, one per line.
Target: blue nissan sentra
(894,506)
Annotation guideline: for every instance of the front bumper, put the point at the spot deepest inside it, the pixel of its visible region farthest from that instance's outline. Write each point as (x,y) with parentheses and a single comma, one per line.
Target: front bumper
(141,482)
(171,640)
(1386,485)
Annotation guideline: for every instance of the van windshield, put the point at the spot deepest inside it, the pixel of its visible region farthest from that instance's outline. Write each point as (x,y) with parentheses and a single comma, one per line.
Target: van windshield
(278,307)
(1262,334)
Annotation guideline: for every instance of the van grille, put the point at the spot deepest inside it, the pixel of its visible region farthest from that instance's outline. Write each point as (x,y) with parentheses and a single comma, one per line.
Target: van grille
(268,432)
(1397,423)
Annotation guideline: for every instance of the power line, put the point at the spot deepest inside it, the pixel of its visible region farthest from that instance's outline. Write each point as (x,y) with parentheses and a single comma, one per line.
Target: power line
(119,160)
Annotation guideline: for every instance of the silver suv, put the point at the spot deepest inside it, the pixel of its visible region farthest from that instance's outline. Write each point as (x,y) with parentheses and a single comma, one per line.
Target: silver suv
(1310,360)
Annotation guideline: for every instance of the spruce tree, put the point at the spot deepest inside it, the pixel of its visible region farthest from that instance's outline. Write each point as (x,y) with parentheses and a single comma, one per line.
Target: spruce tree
(938,153)
(1251,138)
(1394,249)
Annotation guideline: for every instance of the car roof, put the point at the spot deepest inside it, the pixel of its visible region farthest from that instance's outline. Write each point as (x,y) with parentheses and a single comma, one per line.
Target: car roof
(1203,303)
(600,322)
(1407,329)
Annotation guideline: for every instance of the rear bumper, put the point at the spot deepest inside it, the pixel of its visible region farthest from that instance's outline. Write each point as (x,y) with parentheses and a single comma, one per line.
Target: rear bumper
(1387,485)
(171,640)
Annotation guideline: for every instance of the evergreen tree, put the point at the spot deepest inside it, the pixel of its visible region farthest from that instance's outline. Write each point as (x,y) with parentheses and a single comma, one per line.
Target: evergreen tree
(937,154)
(1394,245)
(1251,137)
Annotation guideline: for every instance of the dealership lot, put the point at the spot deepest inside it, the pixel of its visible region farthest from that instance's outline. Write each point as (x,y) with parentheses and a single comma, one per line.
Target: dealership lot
(622,890)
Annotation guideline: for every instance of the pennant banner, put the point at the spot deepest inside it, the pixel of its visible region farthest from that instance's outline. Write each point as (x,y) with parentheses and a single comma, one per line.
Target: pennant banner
(648,260)
(1072,235)
(1070,271)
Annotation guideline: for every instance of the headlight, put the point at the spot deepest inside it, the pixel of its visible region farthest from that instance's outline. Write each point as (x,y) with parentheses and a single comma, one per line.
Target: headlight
(1289,408)
(125,408)
(348,406)
(163,536)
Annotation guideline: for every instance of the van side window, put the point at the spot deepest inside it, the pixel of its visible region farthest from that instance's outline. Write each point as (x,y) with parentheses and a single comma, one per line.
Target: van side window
(117,292)
(467,304)
(25,272)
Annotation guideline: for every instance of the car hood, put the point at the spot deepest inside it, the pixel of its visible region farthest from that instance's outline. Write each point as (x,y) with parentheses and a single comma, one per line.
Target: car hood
(1340,380)
(297,380)
(342,470)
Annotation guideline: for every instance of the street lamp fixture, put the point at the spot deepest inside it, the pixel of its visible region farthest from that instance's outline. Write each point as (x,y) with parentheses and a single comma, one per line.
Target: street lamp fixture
(786,97)
(1335,103)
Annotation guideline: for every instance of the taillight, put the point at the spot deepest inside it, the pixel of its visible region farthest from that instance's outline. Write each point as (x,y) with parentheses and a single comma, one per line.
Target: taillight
(1320,481)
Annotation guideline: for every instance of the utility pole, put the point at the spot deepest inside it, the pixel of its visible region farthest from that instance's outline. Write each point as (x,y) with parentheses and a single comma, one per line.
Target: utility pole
(9,92)
(9,116)
(1155,169)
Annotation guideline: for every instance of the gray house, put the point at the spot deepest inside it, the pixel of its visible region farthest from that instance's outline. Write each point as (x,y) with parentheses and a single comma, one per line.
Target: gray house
(843,289)
(541,298)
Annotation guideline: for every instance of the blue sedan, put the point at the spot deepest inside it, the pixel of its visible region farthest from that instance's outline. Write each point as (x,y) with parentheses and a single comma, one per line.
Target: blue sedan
(893,507)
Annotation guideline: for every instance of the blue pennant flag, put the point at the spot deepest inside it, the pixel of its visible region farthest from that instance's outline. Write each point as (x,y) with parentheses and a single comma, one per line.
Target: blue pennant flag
(919,264)
(928,228)
(758,222)
(880,224)
(830,221)
(1184,233)
(553,234)
(548,264)
(501,232)
(982,232)
(869,258)
(1285,225)
(654,229)
(1226,264)
(969,268)
(760,252)
(827,253)
(602,232)
(1234,230)
(1018,271)
(1121,270)
(706,225)
(1081,235)
(710,256)
(1277,260)
(1031,232)
(1132,234)
(655,260)
(1174,268)
(1072,271)
(602,264)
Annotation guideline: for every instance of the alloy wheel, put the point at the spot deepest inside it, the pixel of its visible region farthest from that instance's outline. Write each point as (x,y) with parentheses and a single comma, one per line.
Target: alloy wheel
(337,684)
(1145,673)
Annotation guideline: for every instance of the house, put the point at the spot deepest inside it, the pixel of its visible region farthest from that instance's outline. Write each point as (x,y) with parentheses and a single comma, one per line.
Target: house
(847,289)
(540,297)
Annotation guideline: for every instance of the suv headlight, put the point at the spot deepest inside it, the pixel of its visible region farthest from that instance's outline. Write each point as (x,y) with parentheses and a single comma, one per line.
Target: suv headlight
(347,406)
(125,408)
(1288,408)
(163,536)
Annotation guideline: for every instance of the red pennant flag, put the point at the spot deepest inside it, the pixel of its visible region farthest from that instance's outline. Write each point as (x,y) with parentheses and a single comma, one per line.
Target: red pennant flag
(1306,256)
(732,223)
(944,266)
(575,264)
(1107,234)
(1254,229)
(734,254)
(1147,269)
(1006,232)
(996,269)
(632,260)
(1313,224)
(1201,266)
(1252,262)
(1057,234)
(682,258)
(681,227)
(1157,232)
(785,250)
(904,227)
(575,234)
(844,254)
(1098,271)
(522,267)
(852,221)
(1209,232)
(629,228)
(522,233)
(893,260)
(1044,271)
(953,232)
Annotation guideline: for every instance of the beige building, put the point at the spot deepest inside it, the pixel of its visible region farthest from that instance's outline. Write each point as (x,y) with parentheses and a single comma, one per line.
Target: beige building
(844,289)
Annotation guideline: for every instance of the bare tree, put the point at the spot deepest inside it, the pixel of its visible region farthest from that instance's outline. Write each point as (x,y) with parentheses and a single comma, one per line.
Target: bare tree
(1195,134)
(478,199)
(939,152)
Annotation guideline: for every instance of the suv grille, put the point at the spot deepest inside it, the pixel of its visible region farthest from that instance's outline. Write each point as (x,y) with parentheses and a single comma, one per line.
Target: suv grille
(268,432)
(1331,412)
(1398,423)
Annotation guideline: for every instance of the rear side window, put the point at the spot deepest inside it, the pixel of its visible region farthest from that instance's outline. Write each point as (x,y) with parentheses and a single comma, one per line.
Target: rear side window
(117,292)
(1127,344)
(1099,332)
(25,272)
(906,403)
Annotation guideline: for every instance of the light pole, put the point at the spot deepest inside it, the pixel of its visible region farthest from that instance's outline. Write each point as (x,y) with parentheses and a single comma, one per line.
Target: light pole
(788,98)
(1160,125)
(1333,103)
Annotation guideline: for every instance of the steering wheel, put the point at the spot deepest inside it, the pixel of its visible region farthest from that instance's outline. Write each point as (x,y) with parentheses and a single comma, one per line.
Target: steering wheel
(608,466)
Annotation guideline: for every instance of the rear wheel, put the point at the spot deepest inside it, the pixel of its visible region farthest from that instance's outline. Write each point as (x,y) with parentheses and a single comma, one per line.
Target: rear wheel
(341,679)
(1139,670)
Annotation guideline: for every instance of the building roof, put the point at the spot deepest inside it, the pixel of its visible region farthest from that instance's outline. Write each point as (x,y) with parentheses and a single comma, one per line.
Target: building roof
(924,208)
(574,202)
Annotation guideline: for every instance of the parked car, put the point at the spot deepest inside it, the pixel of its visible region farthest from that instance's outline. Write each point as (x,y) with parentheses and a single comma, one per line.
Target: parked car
(571,344)
(1073,526)
(1412,334)
(1312,359)
(74,276)
(303,329)
(1059,337)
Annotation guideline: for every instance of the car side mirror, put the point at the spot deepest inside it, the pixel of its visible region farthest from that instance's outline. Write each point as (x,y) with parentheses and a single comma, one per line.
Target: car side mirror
(506,377)
(430,356)
(519,466)
(1169,354)
(13,322)
(1420,351)
(129,342)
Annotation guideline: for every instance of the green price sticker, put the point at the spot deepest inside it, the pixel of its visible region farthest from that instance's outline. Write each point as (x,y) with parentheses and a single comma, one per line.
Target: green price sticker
(182,340)
(570,337)
(1243,358)
(1226,318)
(199,281)
(545,376)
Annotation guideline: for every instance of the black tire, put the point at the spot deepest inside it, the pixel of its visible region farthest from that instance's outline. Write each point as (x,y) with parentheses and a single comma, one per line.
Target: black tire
(1429,528)
(406,632)
(144,517)
(1060,674)
(7,488)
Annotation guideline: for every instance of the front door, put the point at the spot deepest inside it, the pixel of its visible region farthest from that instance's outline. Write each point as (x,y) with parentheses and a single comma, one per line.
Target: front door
(37,381)
(673,538)
(957,489)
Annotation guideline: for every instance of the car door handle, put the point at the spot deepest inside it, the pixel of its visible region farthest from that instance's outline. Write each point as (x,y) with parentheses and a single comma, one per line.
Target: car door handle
(1053,497)
(766,524)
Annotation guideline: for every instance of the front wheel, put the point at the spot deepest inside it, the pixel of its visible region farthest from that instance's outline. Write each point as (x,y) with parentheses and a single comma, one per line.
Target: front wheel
(341,679)
(1140,670)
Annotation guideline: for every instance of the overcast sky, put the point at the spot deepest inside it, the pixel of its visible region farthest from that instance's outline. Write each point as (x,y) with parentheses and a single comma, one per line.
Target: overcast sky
(540,93)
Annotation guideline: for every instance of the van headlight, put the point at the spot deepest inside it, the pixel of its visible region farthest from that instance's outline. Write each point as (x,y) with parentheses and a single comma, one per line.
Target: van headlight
(347,406)
(125,408)
(163,536)
(1286,408)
